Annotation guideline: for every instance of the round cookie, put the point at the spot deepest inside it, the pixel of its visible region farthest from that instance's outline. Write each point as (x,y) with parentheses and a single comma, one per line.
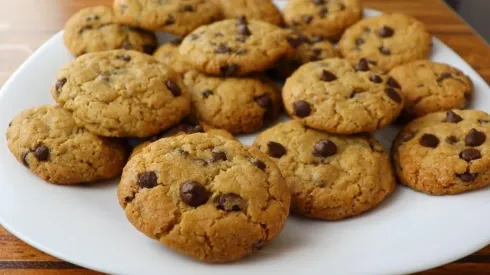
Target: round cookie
(172,16)
(238,105)
(341,96)
(234,47)
(390,40)
(169,55)
(48,142)
(121,93)
(205,196)
(431,87)
(95,29)
(322,17)
(263,10)
(330,177)
(444,153)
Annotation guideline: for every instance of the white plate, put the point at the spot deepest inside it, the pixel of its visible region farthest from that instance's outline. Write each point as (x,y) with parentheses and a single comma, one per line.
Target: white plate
(85,225)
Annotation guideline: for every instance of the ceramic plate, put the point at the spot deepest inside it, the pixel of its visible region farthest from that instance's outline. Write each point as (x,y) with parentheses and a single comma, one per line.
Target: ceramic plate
(84,224)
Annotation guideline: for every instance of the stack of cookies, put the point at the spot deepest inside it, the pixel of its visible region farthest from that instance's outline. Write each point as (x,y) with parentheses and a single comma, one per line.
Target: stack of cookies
(188,183)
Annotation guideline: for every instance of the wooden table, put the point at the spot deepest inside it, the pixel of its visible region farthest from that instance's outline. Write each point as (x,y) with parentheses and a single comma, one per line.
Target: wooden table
(26,24)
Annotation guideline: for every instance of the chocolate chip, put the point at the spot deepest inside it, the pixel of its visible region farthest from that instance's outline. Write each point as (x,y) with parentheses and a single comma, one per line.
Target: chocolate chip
(96,17)
(231,202)
(193,193)
(420,85)
(241,20)
(327,76)
(170,20)
(384,50)
(428,140)
(362,66)
(408,136)
(218,156)
(467,177)
(301,108)
(453,117)
(188,8)
(323,12)
(483,121)
(183,153)
(244,30)
(391,93)
(24,158)
(149,49)
(201,162)
(318,2)
(307,18)
(10,123)
(222,48)
(452,139)
(173,87)
(263,101)
(475,138)
(386,31)
(443,76)
(275,150)
(260,164)
(229,70)
(376,78)
(206,93)
(128,199)
(342,6)
(295,42)
(324,148)
(470,154)
(360,41)
(41,153)
(148,180)
(124,57)
(393,83)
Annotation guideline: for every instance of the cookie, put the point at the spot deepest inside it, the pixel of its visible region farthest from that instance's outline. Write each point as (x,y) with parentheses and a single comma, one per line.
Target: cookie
(263,10)
(121,93)
(234,47)
(48,142)
(342,96)
(390,40)
(330,177)
(238,105)
(169,55)
(172,16)
(430,87)
(205,196)
(95,29)
(444,153)
(322,17)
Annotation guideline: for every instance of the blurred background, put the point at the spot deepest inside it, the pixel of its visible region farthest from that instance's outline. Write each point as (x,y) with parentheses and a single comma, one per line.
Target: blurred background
(476,13)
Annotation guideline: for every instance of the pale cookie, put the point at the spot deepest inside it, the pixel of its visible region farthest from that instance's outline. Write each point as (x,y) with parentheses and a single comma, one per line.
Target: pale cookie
(121,93)
(172,16)
(238,105)
(234,47)
(205,196)
(431,87)
(444,153)
(322,17)
(390,40)
(263,10)
(330,177)
(95,29)
(169,55)
(48,142)
(342,96)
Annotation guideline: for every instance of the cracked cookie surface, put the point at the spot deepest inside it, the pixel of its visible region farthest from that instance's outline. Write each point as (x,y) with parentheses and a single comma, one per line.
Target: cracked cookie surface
(342,96)
(322,17)
(95,29)
(178,17)
(263,10)
(238,105)
(234,47)
(430,87)
(121,93)
(330,177)
(390,40)
(444,153)
(205,196)
(48,142)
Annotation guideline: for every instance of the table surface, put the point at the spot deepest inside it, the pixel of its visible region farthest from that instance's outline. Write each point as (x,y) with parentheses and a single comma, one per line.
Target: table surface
(26,24)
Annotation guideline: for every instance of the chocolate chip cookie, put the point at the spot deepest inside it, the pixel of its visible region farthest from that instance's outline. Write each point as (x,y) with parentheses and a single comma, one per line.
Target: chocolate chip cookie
(330,177)
(205,196)
(121,93)
(444,153)
(263,10)
(390,40)
(234,47)
(430,87)
(322,17)
(169,54)
(95,29)
(238,105)
(342,96)
(48,142)
(172,16)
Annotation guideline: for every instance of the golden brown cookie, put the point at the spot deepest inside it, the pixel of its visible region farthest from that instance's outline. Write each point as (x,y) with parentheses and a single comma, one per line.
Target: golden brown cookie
(263,10)
(169,55)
